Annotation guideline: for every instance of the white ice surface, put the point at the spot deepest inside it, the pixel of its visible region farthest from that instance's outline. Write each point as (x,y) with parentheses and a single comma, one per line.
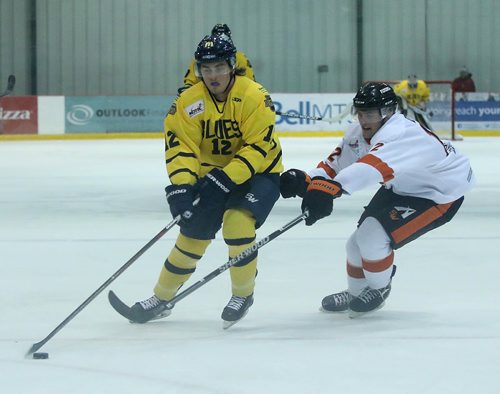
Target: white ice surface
(73,212)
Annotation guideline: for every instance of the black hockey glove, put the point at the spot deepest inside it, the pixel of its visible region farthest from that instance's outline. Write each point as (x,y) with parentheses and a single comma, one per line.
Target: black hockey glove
(180,200)
(294,183)
(214,189)
(319,199)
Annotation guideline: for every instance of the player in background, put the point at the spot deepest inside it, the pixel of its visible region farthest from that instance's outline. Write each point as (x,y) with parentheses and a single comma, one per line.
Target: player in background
(192,77)
(413,95)
(423,182)
(220,146)
(414,91)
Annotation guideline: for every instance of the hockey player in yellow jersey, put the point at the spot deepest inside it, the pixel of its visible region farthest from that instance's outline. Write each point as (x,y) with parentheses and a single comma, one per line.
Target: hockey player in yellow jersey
(192,77)
(220,146)
(413,95)
(414,91)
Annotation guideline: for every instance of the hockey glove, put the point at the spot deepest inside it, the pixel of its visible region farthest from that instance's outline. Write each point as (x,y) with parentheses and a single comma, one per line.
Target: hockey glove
(319,199)
(214,190)
(294,183)
(180,200)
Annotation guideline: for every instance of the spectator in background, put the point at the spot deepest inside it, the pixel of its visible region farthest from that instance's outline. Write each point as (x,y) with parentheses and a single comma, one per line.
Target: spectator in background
(464,82)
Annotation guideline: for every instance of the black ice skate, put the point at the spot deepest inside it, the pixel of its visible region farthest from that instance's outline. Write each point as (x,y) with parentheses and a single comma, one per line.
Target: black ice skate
(338,302)
(370,299)
(235,310)
(151,309)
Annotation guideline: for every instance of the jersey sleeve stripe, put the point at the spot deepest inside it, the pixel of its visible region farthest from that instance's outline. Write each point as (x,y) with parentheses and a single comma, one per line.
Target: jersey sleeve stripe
(183,154)
(247,163)
(183,170)
(382,167)
(210,165)
(329,170)
(258,149)
(274,163)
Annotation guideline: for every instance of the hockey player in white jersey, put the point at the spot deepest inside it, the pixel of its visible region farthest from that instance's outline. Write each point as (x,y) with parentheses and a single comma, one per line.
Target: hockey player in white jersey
(423,182)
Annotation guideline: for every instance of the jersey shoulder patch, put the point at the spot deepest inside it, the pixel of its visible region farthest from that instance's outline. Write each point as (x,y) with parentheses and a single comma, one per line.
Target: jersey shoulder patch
(197,108)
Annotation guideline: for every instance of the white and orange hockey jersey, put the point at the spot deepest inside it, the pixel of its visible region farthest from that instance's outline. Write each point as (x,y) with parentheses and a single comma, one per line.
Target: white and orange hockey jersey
(402,156)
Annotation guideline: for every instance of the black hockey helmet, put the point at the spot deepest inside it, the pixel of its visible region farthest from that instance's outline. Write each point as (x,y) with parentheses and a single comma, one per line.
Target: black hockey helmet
(375,95)
(221,28)
(215,48)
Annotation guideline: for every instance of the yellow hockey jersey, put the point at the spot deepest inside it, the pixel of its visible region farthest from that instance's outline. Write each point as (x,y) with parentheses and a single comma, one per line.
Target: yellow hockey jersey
(415,97)
(242,62)
(236,136)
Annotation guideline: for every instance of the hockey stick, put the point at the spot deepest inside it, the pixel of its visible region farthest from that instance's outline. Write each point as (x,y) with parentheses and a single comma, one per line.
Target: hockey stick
(38,345)
(335,119)
(125,310)
(11,81)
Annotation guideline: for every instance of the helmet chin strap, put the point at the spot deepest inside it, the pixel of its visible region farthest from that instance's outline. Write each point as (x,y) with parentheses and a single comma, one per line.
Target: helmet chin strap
(229,83)
(386,118)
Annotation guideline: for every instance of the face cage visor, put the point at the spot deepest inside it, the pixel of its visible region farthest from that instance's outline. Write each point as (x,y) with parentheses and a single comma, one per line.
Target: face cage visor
(412,83)
(231,62)
(372,115)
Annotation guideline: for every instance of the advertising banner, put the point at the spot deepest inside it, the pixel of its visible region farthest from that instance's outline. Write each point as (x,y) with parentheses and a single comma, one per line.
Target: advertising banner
(112,114)
(483,114)
(311,105)
(19,115)
(478,115)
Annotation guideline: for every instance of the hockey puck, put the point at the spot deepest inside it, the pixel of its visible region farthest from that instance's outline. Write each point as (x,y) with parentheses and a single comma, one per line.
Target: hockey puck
(40,356)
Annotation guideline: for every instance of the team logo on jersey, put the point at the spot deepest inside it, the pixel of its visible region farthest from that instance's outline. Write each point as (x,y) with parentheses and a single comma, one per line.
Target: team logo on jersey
(237,99)
(195,108)
(221,128)
(401,213)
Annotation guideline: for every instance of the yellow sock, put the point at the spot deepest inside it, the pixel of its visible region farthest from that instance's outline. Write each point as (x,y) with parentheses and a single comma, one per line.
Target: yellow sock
(179,265)
(239,234)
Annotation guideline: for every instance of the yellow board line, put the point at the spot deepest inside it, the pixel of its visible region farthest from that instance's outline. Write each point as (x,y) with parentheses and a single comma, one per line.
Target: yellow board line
(118,135)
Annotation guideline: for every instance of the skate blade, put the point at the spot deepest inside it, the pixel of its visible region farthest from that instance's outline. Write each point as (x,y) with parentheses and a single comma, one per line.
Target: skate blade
(166,313)
(226,323)
(355,315)
(321,309)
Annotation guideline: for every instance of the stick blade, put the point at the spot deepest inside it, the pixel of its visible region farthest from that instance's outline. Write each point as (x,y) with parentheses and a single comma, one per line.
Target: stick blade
(33,349)
(120,307)
(133,316)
